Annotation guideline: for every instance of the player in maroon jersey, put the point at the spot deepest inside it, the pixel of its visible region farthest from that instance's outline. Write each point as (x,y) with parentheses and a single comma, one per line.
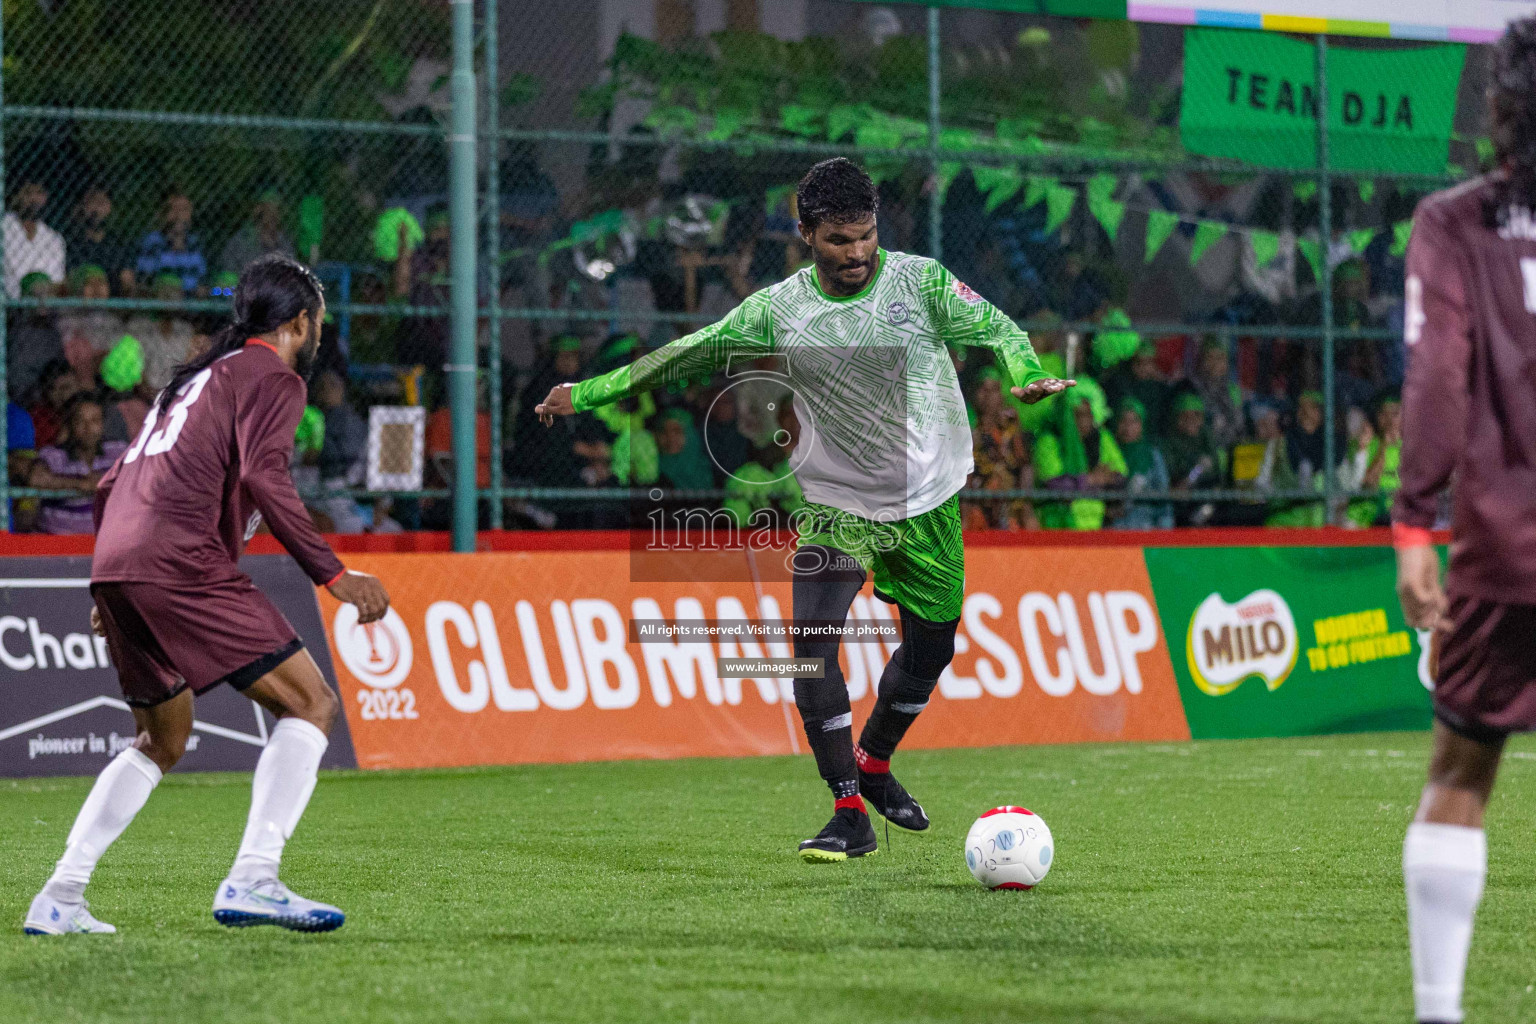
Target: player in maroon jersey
(172,517)
(1469,412)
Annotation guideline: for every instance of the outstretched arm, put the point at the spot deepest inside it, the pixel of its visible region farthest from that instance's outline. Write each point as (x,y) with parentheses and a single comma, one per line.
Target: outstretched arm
(962,317)
(748,329)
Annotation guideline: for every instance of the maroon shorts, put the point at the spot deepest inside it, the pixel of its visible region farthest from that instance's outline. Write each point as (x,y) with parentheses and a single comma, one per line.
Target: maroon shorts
(1485,680)
(165,638)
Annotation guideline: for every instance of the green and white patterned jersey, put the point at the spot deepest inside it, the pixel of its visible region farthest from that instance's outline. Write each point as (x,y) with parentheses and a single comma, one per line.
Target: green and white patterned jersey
(883,427)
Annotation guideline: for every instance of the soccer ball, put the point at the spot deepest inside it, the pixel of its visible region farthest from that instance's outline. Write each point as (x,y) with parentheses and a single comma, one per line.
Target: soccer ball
(1009,848)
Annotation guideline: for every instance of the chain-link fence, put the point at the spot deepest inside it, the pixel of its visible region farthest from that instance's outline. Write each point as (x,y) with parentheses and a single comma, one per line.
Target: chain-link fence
(637,164)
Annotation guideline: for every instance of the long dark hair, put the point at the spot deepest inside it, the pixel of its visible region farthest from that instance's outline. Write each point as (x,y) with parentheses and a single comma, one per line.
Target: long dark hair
(272,291)
(1513,99)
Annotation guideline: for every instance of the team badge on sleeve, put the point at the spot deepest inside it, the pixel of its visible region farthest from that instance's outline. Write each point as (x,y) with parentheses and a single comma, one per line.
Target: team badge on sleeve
(966,292)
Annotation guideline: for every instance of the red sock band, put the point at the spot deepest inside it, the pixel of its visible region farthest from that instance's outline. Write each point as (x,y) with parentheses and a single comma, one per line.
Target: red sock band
(872,765)
(855,802)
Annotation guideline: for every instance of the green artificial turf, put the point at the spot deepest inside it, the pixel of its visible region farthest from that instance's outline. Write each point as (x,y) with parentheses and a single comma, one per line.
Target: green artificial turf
(1221,882)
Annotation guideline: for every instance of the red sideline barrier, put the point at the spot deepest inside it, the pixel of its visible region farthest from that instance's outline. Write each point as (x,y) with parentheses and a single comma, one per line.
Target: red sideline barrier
(619,540)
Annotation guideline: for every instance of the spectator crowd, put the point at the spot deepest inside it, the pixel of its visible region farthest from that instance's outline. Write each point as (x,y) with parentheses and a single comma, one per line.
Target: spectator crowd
(1223,406)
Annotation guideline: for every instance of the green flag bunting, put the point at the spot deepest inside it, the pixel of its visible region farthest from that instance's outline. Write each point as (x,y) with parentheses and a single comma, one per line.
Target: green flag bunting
(1160,224)
(1360,238)
(727,124)
(998,184)
(1266,246)
(1106,210)
(948,171)
(1367,190)
(1207,234)
(1036,189)
(1400,234)
(1059,200)
(1304,190)
(1313,252)
(877,135)
(798,120)
(845,117)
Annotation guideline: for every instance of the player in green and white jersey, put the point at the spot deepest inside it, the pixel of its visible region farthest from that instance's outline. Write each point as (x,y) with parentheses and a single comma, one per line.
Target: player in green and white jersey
(884,448)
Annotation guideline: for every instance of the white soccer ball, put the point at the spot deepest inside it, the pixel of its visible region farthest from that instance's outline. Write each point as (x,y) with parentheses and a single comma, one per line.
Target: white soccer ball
(1009,848)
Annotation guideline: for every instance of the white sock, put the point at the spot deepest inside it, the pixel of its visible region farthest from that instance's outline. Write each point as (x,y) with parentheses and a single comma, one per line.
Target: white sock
(120,791)
(285,777)
(1443,868)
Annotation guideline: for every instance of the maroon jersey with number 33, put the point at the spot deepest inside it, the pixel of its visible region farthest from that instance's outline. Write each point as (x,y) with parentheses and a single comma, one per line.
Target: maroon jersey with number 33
(1469,401)
(181,502)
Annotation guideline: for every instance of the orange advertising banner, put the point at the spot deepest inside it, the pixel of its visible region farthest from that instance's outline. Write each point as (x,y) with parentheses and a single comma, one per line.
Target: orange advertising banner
(503,658)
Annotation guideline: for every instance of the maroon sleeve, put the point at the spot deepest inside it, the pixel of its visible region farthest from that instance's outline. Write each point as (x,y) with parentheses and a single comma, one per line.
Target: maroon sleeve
(1438,332)
(265,421)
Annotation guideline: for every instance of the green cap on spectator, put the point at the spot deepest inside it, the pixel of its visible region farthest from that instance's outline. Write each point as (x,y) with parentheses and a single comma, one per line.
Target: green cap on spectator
(29,281)
(1188,402)
(311,433)
(166,279)
(83,273)
(1312,396)
(226,279)
(566,343)
(1118,342)
(989,373)
(123,367)
(620,348)
(386,233)
(1147,348)
(1130,403)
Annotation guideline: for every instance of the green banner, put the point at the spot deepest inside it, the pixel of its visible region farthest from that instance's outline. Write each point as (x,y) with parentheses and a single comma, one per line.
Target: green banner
(1289,641)
(1252,96)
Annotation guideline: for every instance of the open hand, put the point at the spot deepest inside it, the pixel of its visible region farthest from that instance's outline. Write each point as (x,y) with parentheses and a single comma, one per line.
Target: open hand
(1041,389)
(556,403)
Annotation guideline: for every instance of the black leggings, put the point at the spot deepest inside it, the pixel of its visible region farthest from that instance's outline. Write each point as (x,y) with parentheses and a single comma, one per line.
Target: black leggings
(823,593)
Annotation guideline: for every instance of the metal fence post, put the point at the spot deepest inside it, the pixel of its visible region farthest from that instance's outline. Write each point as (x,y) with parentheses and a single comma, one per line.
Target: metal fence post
(936,197)
(493,250)
(1325,242)
(463,306)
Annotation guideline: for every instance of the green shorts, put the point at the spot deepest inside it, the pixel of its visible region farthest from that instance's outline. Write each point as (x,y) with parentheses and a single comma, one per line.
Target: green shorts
(918,563)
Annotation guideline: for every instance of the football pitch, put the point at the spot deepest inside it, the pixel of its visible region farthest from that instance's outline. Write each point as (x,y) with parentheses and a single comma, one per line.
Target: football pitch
(1221,882)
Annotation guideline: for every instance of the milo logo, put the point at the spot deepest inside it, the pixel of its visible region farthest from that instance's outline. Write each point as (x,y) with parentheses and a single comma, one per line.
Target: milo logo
(1228,643)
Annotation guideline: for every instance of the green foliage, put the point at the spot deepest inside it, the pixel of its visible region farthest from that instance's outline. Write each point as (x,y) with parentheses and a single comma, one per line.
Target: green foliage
(219,55)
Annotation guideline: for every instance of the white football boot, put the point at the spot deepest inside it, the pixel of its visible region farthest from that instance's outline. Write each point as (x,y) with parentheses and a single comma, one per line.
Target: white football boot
(48,916)
(268,901)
